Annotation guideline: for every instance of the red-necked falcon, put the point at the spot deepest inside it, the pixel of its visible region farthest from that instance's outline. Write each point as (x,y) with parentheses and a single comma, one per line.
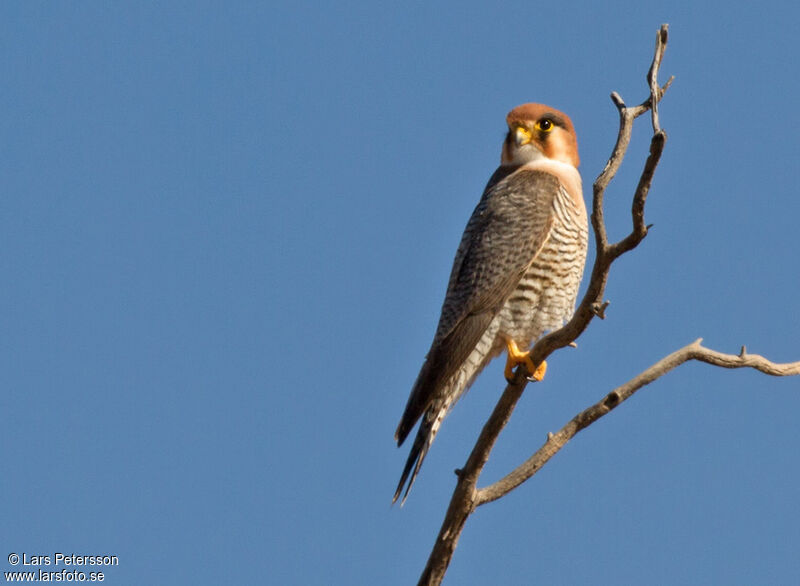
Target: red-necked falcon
(515,276)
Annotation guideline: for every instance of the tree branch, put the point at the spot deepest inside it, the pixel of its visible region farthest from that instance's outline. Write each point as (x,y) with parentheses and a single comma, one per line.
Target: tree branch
(554,443)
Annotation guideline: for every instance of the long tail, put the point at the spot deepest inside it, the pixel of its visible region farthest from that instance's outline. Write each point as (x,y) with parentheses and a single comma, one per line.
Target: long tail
(428,429)
(438,387)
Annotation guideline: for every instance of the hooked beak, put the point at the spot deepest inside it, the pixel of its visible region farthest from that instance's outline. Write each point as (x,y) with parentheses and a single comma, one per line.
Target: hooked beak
(522,136)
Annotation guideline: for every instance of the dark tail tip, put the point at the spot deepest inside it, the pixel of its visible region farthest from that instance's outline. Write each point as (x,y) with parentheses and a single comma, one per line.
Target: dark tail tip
(415,457)
(402,431)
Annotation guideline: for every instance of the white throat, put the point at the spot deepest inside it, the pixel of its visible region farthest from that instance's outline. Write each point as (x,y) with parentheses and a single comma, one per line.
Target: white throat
(526,154)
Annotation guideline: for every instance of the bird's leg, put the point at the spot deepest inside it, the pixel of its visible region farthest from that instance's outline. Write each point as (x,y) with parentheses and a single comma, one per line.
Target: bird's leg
(517,356)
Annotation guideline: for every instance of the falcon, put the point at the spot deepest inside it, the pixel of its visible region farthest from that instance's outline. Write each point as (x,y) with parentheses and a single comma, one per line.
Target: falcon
(515,275)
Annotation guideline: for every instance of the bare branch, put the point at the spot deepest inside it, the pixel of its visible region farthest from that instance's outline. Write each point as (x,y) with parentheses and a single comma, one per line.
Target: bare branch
(462,503)
(745,360)
(554,443)
(606,254)
(652,75)
(637,209)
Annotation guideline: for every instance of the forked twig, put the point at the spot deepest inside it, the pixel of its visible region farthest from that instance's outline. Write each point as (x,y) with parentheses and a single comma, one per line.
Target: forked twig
(556,441)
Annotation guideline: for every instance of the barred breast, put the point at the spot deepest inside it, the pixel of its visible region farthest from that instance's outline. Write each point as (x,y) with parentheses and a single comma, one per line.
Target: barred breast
(542,301)
(545,296)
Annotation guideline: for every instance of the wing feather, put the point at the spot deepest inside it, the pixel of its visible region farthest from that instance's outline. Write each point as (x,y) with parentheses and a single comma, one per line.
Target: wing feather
(506,231)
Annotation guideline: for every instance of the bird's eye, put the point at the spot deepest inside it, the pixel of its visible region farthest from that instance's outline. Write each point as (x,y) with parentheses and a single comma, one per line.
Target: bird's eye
(544,125)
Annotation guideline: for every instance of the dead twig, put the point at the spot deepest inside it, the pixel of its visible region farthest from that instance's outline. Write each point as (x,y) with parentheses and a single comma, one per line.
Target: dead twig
(556,441)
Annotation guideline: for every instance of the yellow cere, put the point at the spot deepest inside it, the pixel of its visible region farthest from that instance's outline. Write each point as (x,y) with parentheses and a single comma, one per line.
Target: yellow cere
(523,135)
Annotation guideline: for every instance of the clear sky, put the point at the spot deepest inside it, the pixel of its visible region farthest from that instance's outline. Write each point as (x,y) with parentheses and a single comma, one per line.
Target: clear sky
(225,236)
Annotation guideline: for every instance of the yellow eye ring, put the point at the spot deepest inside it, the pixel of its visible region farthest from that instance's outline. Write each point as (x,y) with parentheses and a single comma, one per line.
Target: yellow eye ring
(544,125)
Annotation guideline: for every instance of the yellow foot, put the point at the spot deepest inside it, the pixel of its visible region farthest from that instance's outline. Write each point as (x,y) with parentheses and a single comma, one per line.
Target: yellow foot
(517,356)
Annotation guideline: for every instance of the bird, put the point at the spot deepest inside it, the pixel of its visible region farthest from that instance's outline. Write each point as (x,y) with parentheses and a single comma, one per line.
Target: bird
(515,275)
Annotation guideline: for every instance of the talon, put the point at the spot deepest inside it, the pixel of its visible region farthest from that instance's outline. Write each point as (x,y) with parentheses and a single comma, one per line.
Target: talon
(538,374)
(516,357)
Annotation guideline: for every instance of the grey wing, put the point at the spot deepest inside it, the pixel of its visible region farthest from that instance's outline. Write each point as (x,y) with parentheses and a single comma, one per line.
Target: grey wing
(503,236)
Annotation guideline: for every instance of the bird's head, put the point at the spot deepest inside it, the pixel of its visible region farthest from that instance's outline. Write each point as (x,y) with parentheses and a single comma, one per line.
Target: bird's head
(536,131)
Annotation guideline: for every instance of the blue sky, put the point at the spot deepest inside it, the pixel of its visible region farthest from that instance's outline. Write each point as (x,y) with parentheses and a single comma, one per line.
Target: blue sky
(225,236)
